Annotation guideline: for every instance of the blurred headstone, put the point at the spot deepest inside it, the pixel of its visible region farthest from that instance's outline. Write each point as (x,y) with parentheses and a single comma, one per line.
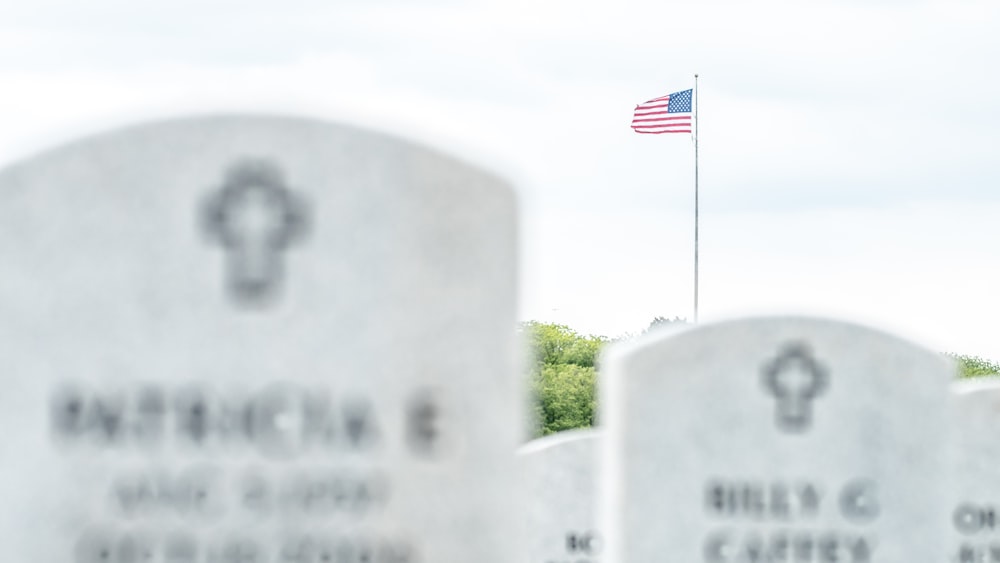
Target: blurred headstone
(256,340)
(775,440)
(975,509)
(560,483)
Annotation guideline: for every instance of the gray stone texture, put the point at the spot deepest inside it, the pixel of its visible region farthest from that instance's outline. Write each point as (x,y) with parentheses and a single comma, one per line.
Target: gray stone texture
(974,514)
(239,339)
(560,481)
(775,440)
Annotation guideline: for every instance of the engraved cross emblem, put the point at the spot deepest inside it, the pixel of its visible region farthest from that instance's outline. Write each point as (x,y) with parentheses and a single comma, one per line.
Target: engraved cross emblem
(255,218)
(795,379)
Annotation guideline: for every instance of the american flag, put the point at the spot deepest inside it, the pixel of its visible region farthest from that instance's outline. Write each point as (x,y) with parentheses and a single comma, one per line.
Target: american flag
(666,114)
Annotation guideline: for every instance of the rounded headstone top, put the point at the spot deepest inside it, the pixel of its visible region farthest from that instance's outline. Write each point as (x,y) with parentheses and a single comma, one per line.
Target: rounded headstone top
(259,308)
(557,439)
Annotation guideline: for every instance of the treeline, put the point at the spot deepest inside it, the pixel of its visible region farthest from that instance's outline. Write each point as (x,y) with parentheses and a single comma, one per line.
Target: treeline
(564,374)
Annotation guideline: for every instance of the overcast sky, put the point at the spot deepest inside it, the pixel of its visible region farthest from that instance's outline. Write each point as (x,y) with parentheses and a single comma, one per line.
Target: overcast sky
(848,160)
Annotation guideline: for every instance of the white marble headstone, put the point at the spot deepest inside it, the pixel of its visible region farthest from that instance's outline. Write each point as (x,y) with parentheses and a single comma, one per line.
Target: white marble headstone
(560,481)
(772,441)
(256,340)
(974,517)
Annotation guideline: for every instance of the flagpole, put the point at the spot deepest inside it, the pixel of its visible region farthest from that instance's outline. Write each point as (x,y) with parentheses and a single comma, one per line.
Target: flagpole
(696,198)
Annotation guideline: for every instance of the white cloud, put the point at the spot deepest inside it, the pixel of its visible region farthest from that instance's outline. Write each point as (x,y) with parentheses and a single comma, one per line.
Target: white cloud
(834,134)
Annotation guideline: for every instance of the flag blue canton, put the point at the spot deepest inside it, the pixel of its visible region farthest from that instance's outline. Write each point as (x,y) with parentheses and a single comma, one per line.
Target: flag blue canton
(679,102)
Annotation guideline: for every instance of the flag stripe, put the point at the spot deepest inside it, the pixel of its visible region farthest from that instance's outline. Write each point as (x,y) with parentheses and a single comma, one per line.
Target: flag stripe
(662,124)
(675,118)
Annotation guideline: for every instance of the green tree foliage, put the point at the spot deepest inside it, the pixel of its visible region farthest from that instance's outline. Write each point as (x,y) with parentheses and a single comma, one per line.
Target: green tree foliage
(563,376)
(974,366)
(566,397)
(563,373)
(661,321)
